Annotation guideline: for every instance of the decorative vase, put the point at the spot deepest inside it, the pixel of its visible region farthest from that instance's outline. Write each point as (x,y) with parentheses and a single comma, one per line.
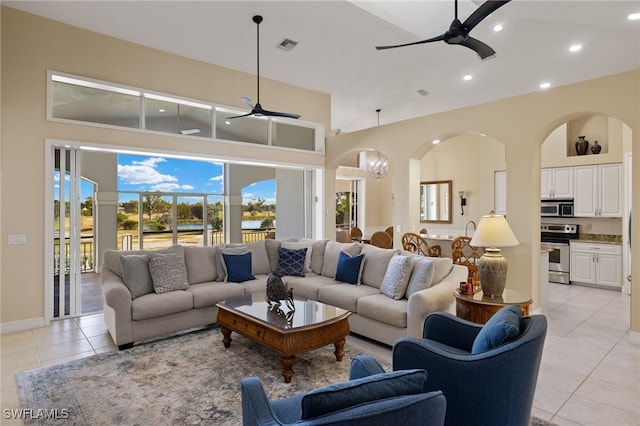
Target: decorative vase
(595,149)
(582,145)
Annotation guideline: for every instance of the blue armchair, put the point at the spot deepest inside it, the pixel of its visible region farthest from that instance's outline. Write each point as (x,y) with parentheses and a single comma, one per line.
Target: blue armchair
(484,385)
(371,397)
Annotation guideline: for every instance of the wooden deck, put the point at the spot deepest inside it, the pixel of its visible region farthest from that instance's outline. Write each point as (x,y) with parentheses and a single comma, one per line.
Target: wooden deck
(91,292)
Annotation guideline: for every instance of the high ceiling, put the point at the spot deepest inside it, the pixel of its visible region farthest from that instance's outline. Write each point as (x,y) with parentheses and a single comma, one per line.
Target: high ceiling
(336,51)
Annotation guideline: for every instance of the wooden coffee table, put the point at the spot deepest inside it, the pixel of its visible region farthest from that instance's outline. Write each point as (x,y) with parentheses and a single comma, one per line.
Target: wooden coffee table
(310,326)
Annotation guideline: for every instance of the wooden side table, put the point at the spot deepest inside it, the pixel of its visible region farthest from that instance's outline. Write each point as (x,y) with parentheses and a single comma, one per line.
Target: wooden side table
(479,308)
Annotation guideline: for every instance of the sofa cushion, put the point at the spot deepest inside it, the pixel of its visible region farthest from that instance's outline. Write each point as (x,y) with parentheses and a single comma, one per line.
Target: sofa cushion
(155,305)
(168,272)
(421,275)
(380,308)
(376,260)
(317,255)
(237,267)
(345,296)
(208,294)
(309,286)
(340,396)
(291,261)
(502,327)
(259,258)
(396,278)
(300,245)
(331,254)
(111,258)
(272,247)
(349,268)
(201,264)
(135,274)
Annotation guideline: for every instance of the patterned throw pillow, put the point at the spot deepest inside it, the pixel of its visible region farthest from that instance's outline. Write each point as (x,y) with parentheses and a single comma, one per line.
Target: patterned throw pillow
(168,272)
(349,268)
(396,278)
(291,261)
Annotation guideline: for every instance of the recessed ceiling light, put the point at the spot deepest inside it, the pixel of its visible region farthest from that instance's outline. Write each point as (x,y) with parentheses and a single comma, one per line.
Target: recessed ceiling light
(545,85)
(467,77)
(575,47)
(287,44)
(436,141)
(497,28)
(161,110)
(422,92)
(634,17)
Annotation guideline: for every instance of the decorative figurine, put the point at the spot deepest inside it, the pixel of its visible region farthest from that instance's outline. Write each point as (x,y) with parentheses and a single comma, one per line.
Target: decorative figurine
(277,291)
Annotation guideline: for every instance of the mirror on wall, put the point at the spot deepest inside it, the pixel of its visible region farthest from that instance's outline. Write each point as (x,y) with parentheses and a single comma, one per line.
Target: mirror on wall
(435,201)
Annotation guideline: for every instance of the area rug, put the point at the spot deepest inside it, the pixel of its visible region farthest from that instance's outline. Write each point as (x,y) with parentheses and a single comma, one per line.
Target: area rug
(189,379)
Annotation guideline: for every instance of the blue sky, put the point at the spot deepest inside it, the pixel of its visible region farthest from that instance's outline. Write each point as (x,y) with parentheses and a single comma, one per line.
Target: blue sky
(151,173)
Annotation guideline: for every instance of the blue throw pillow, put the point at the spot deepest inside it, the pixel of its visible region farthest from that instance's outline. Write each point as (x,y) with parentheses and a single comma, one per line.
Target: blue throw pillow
(238,267)
(340,396)
(291,261)
(502,327)
(349,268)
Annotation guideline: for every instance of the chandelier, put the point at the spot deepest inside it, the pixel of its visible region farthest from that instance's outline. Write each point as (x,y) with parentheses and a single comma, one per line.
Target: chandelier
(378,166)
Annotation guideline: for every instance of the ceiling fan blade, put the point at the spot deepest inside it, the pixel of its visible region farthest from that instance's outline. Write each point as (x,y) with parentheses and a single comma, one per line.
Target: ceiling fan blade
(248,102)
(479,47)
(438,38)
(239,116)
(258,110)
(482,12)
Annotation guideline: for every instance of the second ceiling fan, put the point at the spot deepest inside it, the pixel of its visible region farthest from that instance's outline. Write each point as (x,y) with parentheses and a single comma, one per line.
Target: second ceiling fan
(257,110)
(458,32)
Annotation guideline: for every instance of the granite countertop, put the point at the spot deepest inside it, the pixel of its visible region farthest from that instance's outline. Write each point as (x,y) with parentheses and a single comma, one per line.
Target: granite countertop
(600,238)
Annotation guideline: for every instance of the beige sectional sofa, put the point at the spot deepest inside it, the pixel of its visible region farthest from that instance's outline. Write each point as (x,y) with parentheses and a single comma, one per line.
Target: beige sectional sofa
(153,293)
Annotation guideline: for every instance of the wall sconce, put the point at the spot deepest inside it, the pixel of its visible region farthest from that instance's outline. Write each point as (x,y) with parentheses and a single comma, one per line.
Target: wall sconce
(463,202)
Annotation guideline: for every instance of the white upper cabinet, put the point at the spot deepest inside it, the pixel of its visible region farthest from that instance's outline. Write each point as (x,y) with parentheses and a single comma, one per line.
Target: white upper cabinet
(598,190)
(556,182)
(500,192)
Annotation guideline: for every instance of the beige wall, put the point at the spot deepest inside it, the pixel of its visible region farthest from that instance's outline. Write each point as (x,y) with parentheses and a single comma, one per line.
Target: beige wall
(521,124)
(469,161)
(32,45)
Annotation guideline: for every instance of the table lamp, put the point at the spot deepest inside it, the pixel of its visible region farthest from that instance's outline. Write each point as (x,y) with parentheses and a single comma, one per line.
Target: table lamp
(493,232)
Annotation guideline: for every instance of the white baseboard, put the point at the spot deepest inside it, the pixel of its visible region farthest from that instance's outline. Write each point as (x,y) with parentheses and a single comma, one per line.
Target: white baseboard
(21,325)
(634,337)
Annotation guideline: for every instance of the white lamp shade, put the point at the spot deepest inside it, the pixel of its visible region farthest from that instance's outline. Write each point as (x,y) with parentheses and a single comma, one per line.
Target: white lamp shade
(494,231)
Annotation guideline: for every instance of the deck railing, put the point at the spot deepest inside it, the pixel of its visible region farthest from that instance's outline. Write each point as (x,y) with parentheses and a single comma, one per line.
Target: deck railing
(126,242)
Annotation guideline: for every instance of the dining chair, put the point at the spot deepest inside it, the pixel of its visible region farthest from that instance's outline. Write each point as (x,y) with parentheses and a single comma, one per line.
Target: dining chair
(463,253)
(356,233)
(381,239)
(389,231)
(414,243)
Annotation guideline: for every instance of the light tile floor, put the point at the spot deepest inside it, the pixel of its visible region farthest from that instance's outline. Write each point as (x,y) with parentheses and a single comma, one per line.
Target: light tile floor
(590,372)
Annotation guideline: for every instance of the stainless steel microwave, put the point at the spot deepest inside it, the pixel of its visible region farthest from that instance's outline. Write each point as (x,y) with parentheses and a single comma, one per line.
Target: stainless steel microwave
(556,207)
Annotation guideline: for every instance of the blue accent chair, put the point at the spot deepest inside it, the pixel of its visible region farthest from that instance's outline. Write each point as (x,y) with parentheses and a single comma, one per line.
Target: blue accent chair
(489,386)
(371,397)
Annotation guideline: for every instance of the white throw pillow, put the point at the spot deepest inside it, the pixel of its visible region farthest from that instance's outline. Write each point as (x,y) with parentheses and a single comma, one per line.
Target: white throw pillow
(396,278)
(421,276)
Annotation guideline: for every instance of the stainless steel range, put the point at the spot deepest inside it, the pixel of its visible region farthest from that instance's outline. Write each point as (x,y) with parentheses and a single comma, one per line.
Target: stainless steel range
(555,237)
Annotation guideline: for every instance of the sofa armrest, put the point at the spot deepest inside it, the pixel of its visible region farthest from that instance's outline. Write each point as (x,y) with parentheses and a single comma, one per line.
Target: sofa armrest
(117,307)
(364,366)
(438,297)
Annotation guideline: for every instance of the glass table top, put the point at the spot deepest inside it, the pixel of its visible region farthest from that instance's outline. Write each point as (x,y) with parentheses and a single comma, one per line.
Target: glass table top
(304,313)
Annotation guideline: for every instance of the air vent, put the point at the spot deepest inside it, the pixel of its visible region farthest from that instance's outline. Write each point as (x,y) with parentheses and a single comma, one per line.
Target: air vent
(422,92)
(287,44)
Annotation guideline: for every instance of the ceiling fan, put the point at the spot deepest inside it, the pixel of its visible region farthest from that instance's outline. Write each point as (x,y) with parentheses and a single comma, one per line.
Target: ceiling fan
(458,32)
(257,110)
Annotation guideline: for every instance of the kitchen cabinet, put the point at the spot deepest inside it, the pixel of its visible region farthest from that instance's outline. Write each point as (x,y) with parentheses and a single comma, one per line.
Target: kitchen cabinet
(500,192)
(598,190)
(596,263)
(556,182)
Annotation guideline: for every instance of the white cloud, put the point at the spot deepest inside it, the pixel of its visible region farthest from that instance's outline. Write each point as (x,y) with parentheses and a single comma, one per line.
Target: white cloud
(144,172)
(216,178)
(165,187)
(187,187)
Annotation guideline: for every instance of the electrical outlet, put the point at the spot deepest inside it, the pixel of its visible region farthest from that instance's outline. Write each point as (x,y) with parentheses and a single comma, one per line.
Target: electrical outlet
(17,238)
(398,229)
